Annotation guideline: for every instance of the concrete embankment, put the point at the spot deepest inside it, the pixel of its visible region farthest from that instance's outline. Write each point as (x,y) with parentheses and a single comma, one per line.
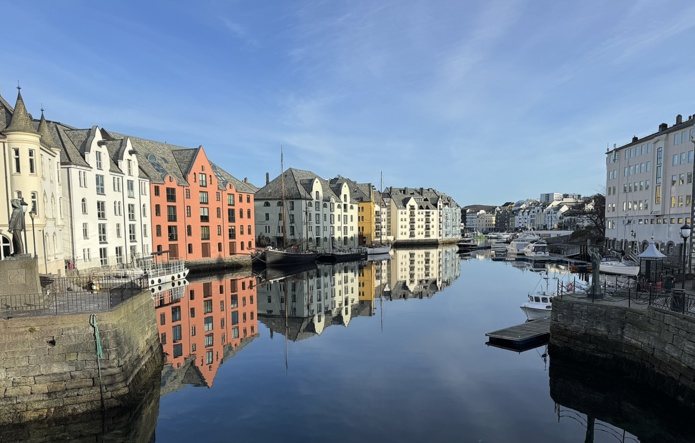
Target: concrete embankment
(649,345)
(212,265)
(50,367)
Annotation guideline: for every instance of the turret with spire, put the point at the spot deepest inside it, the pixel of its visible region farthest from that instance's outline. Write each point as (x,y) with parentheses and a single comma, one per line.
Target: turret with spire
(21,120)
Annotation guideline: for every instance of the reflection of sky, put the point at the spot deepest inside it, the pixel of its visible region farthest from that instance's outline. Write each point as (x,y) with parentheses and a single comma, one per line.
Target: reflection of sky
(428,376)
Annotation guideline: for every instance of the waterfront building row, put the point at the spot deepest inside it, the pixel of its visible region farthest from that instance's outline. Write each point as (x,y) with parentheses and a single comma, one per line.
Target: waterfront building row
(97,198)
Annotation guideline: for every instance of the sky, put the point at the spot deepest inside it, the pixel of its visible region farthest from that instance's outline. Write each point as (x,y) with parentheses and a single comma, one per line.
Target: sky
(486,101)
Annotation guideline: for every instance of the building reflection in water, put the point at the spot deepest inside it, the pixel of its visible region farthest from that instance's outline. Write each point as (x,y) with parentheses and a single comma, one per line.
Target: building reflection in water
(610,405)
(202,324)
(421,272)
(304,304)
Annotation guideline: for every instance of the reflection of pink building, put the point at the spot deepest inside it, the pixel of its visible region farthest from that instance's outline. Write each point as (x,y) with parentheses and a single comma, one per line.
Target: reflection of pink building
(212,316)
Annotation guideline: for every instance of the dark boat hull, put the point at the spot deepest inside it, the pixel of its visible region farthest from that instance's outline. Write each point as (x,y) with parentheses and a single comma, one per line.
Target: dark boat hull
(288,258)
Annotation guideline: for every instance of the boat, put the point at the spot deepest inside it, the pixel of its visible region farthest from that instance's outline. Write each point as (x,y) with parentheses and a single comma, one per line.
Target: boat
(539,304)
(342,255)
(377,249)
(537,249)
(610,265)
(517,245)
(288,257)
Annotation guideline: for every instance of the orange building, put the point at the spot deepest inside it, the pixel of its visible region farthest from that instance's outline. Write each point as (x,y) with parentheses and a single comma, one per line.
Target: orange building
(199,211)
(207,321)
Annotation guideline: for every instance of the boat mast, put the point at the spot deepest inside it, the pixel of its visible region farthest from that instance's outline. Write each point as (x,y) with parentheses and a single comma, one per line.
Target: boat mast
(284,211)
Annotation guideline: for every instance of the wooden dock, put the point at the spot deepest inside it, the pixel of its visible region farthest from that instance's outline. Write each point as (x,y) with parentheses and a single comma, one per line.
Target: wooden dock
(521,337)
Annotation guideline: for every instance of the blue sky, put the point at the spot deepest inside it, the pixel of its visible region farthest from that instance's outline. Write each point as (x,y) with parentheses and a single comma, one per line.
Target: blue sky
(487,101)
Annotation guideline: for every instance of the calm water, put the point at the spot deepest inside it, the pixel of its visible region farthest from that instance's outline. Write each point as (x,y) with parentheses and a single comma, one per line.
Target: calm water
(411,366)
(392,351)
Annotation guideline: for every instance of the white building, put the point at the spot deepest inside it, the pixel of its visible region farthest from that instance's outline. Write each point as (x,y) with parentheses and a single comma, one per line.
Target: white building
(419,214)
(30,172)
(649,188)
(320,214)
(107,218)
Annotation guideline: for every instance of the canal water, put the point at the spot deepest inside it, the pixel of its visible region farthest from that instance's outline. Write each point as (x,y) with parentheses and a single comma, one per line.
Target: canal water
(386,351)
(392,351)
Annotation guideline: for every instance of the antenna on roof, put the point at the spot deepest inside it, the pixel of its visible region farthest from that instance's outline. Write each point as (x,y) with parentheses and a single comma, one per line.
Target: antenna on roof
(18,87)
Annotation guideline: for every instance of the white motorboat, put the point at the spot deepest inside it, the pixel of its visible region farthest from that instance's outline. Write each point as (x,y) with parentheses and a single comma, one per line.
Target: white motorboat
(538,306)
(539,303)
(537,249)
(611,265)
(517,245)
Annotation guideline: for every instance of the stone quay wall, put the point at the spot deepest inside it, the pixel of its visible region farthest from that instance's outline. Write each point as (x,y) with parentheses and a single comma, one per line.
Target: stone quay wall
(648,345)
(50,367)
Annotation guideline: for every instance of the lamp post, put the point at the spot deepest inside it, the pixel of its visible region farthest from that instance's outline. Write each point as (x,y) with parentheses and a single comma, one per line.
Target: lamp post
(685,233)
(32,214)
(25,207)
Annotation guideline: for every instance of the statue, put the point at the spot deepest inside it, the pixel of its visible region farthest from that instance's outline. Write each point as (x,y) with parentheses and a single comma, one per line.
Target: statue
(595,269)
(16,226)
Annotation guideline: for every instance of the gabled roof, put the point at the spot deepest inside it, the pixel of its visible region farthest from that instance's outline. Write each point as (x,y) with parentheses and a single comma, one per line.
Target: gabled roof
(224,178)
(156,159)
(294,190)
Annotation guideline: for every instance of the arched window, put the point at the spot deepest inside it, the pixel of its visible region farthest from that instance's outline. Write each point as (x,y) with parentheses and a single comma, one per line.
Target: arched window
(318,196)
(84,206)
(266,204)
(144,210)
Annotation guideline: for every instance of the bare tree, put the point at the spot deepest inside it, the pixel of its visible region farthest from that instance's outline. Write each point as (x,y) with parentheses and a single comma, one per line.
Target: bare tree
(593,211)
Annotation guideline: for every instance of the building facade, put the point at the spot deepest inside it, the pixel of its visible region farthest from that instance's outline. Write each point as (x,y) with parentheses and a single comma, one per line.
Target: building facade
(31,171)
(649,184)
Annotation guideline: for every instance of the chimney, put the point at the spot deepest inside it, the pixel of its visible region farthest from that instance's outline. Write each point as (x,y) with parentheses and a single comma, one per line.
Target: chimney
(679,119)
(267,178)
(246,179)
(634,138)
(663,127)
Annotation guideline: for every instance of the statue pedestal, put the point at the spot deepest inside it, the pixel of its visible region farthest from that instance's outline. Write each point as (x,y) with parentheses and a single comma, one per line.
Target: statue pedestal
(20,277)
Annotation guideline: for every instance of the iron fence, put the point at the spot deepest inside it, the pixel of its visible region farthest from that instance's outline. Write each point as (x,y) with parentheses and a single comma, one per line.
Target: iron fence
(73,295)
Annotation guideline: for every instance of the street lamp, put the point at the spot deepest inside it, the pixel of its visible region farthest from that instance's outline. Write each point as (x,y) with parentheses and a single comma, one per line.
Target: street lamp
(32,214)
(25,207)
(685,233)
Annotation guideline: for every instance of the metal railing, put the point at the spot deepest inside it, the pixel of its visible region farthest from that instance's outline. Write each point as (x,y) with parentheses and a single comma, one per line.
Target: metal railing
(72,295)
(641,294)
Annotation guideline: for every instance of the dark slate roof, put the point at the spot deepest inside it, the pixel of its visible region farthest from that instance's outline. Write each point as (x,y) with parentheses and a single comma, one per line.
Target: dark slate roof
(5,113)
(46,136)
(224,178)
(115,148)
(21,119)
(426,198)
(185,159)
(294,190)
(359,192)
(156,159)
(69,152)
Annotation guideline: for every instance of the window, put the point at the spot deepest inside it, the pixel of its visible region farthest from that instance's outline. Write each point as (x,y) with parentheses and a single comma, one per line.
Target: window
(119,255)
(231,215)
(17,164)
(85,231)
(175,313)
(118,230)
(102,232)
(208,354)
(171,213)
(97,155)
(208,324)
(156,191)
(209,341)
(178,350)
(84,206)
(204,215)
(157,210)
(230,199)
(205,232)
(103,257)
(101,210)
(100,184)
(207,306)
(235,317)
(172,233)
(131,212)
(132,233)
(217,196)
(171,194)
(131,188)
(203,181)
(204,197)
(32,162)
(232,233)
